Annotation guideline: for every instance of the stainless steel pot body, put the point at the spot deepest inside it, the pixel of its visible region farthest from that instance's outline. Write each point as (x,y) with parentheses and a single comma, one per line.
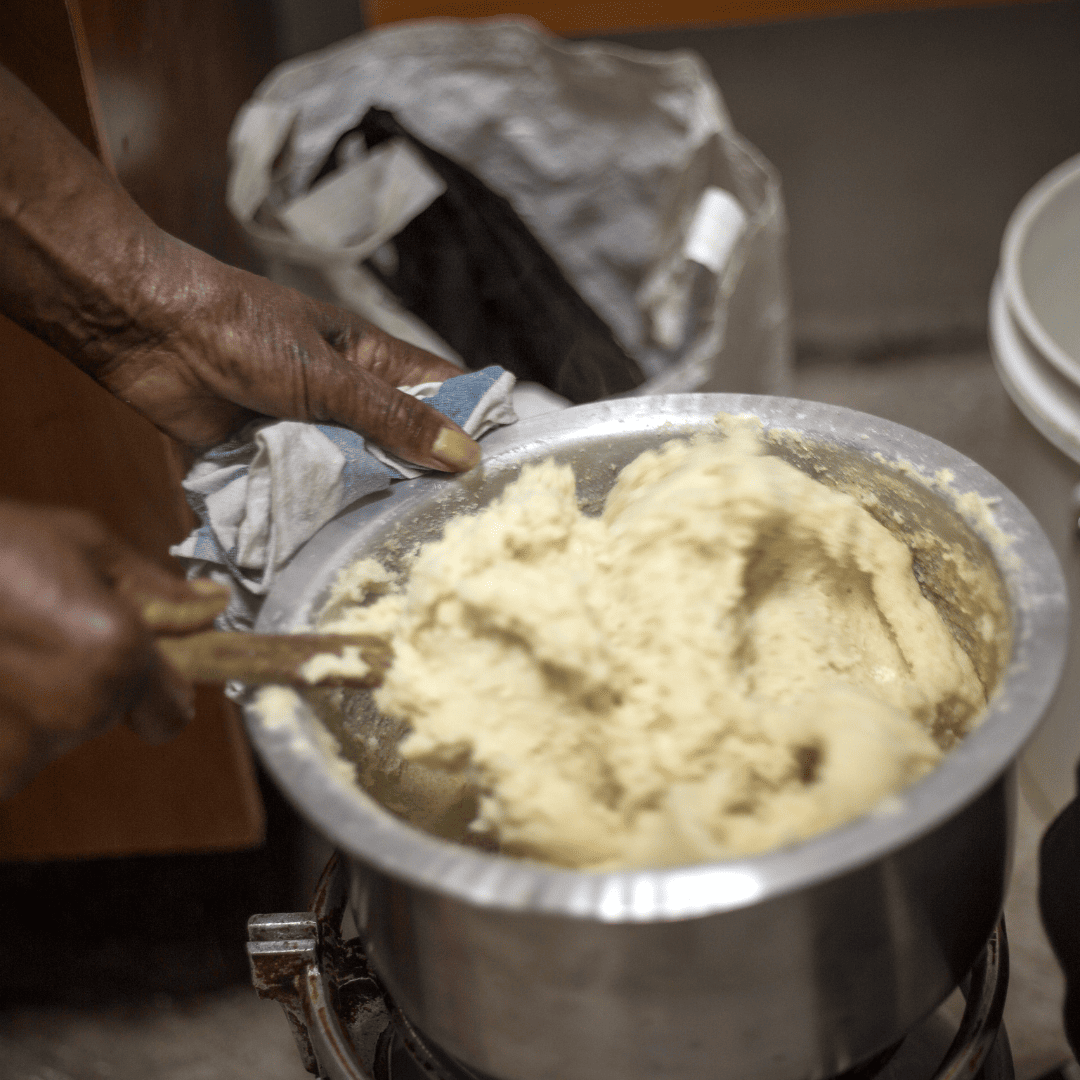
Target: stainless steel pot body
(797,963)
(803,985)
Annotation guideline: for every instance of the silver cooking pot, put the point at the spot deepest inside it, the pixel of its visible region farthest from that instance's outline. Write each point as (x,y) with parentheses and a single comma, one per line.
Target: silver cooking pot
(789,965)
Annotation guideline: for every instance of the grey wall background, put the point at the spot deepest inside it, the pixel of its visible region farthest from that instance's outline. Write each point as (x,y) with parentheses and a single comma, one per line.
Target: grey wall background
(904,141)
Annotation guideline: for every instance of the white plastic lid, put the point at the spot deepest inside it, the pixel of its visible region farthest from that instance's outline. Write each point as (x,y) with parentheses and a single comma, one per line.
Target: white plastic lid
(1049,400)
(1040,267)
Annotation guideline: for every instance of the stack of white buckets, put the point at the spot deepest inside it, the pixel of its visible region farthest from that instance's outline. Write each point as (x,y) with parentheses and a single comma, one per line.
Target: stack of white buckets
(1035,342)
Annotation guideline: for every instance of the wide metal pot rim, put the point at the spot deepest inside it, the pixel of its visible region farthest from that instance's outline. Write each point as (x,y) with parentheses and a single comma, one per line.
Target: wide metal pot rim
(367,832)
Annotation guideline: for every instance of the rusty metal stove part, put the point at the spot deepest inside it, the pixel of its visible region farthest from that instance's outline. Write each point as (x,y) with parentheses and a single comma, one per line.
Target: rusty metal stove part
(282,949)
(322,983)
(346,1025)
(984,990)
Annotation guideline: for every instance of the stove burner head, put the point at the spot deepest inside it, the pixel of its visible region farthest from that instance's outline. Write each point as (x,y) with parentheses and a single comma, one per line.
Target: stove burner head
(348,1028)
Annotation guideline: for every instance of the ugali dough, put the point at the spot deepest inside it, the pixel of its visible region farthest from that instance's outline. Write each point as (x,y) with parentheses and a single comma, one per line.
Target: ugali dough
(732,657)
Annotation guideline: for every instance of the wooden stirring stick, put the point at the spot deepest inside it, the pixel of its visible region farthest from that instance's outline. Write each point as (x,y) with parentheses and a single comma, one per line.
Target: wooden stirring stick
(219,656)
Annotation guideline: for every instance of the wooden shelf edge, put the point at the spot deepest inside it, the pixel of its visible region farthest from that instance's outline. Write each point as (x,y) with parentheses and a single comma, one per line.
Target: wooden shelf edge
(600,17)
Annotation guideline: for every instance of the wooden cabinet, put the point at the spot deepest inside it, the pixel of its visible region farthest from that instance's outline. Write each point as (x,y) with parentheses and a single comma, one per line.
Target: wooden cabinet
(65,441)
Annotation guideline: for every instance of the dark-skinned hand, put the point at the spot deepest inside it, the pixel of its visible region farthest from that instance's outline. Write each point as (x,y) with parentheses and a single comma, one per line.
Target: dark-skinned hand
(198,348)
(194,345)
(227,346)
(75,656)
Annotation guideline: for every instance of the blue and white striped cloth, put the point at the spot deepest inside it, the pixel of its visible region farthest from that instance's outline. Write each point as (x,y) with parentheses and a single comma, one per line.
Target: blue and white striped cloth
(264,493)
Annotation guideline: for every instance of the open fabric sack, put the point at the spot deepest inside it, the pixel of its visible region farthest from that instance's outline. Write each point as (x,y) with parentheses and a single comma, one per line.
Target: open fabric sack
(623,164)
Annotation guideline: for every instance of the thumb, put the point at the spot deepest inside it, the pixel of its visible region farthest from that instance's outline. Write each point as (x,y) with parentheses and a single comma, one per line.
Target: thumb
(159,701)
(179,610)
(360,400)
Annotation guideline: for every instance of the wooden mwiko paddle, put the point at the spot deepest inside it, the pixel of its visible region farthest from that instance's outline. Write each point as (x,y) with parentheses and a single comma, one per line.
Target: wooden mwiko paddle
(219,656)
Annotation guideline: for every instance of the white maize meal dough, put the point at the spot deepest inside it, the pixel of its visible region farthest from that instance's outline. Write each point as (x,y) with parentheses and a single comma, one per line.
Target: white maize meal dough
(732,657)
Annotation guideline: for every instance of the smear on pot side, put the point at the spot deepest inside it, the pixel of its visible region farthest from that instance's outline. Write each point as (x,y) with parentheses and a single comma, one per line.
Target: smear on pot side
(732,657)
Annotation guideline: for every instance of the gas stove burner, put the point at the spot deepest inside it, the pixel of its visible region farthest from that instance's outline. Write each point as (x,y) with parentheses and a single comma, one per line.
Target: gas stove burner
(347,1027)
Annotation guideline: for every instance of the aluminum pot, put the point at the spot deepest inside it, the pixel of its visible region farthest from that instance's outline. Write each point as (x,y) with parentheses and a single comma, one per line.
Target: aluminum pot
(793,964)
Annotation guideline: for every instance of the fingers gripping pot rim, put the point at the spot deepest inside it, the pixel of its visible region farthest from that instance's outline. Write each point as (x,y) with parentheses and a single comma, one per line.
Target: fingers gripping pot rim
(801,961)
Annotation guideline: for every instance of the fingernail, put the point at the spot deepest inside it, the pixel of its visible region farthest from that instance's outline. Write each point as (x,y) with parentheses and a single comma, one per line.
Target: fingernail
(208,587)
(456,450)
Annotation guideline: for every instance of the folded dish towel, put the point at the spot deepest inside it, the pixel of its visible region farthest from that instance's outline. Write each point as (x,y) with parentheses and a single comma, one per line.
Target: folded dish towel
(271,487)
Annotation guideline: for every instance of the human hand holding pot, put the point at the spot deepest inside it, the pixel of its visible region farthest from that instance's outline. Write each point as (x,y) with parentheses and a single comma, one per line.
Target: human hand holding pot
(198,347)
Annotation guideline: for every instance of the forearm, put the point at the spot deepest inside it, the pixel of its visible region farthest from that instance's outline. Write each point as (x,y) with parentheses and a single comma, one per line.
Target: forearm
(78,259)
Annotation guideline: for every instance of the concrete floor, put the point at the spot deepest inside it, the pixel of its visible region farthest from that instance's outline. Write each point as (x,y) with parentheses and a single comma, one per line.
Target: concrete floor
(904,141)
(226,1034)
